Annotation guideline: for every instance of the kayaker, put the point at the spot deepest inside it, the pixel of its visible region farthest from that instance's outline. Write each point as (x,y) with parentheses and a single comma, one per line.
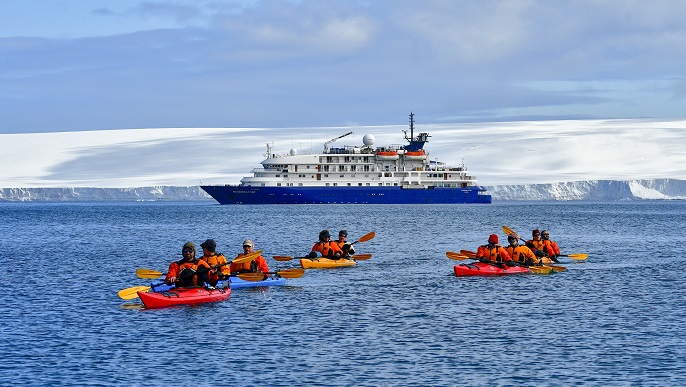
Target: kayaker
(554,251)
(183,273)
(346,247)
(492,252)
(259,264)
(542,248)
(215,263)
(325,247)
(521,254)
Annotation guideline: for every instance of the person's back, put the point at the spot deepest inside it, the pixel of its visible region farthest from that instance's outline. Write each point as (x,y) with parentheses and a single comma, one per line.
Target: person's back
(492,251)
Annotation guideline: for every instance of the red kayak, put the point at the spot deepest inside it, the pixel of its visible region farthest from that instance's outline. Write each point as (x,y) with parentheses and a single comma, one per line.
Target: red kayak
(487,269)
(183,296)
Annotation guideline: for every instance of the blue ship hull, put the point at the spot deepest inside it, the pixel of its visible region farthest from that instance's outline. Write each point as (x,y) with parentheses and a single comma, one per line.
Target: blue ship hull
(236,194)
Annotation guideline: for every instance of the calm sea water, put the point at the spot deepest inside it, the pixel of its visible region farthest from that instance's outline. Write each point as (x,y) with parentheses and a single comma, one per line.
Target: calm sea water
(400,318)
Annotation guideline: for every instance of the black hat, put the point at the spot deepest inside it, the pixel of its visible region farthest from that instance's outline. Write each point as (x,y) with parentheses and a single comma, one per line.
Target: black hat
(343,232)
(209,244)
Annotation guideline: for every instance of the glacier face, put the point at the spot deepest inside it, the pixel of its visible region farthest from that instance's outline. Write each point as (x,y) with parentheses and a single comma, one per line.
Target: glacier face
(594,190)
(157,193)
(589,190)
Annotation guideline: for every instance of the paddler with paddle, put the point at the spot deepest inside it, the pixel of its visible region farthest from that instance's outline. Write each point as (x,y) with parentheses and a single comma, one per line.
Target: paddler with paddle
(184,273)
(346,247)
(521,254)
(213,263)
(492,252)
(258,264)
(542,246)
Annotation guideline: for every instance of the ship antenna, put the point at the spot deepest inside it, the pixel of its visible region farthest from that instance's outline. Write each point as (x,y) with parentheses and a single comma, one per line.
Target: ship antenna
(411,126)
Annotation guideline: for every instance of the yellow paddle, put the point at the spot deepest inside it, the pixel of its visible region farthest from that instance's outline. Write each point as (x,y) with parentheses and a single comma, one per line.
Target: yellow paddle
(456,256)
(132,292)
(577,257)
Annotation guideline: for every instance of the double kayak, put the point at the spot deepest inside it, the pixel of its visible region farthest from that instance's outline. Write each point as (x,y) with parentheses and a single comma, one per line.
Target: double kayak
(487,269)
(326,263)
(183,296)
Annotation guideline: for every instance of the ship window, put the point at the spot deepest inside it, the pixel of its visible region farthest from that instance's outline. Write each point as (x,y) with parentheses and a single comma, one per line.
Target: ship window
(300,184)
(327,184)
(380,184)
(341,175)
(348,184)
(262,184)
(278,184)
(360,184)
(278,175)
(335,184)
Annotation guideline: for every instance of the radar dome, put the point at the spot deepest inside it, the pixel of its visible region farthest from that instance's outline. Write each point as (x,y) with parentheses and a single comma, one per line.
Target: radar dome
(368,140)
(293,152)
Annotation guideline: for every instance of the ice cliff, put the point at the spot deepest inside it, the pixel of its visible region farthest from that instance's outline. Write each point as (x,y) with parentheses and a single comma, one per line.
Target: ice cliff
(589,190)
(159,193)
(594,190)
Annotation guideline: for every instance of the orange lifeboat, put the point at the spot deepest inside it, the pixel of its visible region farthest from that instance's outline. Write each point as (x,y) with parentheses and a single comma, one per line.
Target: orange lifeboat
(416,155)
(387,155)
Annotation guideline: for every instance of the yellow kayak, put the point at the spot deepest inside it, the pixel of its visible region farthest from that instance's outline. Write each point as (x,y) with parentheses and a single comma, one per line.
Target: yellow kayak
(326,263)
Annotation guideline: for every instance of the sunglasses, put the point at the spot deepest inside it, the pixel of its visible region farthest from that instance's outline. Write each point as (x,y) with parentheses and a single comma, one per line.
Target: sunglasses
(187,251)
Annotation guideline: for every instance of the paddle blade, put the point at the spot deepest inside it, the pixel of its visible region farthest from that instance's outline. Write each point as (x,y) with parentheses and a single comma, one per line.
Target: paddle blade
(455,256)
(578,257)
(367,237)
(283,258)
(558,269)
(147,273)
(509,231)
(361,257)
(541,269)
(291,273)
(247,257)
(132,292)
(254,277)
(468,253)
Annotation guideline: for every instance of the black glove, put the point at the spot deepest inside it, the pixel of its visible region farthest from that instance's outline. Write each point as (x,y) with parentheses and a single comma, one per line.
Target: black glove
(539,253)
(312,255)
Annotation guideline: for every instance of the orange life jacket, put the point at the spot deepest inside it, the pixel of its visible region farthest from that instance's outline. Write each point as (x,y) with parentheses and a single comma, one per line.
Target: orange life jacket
(327,249)
(496,253)
(522,254)
(217,261)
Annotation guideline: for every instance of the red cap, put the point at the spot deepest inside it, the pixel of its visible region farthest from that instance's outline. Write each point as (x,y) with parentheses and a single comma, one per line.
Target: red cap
(493,239)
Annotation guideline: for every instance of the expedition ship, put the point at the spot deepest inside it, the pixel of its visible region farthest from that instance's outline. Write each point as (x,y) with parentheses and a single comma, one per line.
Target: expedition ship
(355,175)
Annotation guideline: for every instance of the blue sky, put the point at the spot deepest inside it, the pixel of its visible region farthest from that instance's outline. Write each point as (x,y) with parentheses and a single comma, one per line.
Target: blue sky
(69,65)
